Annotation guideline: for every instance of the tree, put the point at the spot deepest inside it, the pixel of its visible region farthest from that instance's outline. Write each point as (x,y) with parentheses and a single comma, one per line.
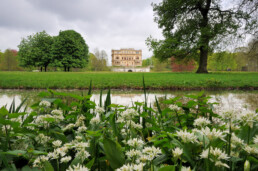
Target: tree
(222,61)
(9,61)
(36,50)
(98,61)
(193,28)
(70,50)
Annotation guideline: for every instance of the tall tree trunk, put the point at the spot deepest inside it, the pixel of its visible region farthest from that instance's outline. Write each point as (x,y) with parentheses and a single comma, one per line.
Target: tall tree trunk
(203,60)
(68,69)
(65,68)
(45,68)
(41,69)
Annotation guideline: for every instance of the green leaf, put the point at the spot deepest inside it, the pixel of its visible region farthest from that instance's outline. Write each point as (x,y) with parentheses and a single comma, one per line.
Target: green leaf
(27,168)
(3,111)
(15,152)
(168,168)
(90,163)
(48,166)
(113,153)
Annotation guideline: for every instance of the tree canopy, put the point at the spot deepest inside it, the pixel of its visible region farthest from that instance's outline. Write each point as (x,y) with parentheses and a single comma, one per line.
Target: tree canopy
(194,28)
(70,50)
(36,50)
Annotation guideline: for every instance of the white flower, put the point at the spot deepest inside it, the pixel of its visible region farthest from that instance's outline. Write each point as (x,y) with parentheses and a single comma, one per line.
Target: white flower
(45,103)
(133,153)
(66,159)
(212,134)
(251,150)
(80,121)
(219,164)
(256,139)
(57,112)
(99,110)
(69,127)
(127,167)
(42,139)
(39,161)
(81,145)
(151,152)
(95,120)
(58,152)
(136,143)
(236,141)
(232,115)
(57,143)
(249,118)
(205,154)
(78,167)
(185,168)
(78,138)
(177,152)
(82,129)
(174,107)
(138,167)
(82,154)
(186,136)
(201,122)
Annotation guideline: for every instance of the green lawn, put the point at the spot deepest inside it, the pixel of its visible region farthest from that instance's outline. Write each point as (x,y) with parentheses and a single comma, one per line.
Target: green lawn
(74,80)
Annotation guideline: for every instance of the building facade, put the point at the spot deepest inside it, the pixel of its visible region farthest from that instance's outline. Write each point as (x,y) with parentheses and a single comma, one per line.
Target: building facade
(127,57)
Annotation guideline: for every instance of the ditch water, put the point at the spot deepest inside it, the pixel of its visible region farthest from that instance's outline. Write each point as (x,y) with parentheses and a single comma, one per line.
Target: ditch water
(229,100)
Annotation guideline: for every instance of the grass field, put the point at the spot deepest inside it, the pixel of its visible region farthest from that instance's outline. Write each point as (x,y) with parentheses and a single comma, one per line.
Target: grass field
(81,80)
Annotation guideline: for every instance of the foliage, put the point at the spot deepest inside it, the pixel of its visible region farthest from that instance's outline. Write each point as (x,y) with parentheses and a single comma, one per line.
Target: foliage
(70,50)
(158,80)
(35,50)
(156,64)
(185,133)
(222,61)
(9,61)
(98,61)
(194,28)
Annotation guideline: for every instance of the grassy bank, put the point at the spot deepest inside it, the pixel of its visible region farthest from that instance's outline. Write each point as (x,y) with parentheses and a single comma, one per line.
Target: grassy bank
(81,80)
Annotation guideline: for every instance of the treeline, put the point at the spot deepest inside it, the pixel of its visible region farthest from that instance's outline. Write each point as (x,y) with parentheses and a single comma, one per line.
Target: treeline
(243,59)
(43,52)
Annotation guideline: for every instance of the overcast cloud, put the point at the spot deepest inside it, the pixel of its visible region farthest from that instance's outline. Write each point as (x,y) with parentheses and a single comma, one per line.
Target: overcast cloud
(104,24)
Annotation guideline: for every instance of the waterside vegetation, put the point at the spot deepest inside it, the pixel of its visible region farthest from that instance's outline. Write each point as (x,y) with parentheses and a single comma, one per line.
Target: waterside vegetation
(61,134)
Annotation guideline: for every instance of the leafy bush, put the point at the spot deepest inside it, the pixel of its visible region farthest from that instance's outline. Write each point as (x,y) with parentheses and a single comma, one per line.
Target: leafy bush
(61,134)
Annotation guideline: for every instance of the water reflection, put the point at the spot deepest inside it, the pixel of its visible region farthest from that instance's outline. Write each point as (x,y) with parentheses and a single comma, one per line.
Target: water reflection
(229,100)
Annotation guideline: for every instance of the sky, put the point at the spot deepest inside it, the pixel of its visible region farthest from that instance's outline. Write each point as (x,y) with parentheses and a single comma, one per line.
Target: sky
(104,24)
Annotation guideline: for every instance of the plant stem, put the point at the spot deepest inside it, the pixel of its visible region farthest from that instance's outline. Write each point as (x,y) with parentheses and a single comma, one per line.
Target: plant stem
(178,119)
(249,131)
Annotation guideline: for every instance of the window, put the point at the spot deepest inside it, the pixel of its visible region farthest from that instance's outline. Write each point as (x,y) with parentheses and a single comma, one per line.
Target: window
(117,57)
(137,57)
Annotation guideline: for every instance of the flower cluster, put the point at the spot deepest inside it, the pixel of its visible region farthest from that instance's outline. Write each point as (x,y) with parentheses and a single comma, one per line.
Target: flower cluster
(216,155)
(44,103)
(187,137)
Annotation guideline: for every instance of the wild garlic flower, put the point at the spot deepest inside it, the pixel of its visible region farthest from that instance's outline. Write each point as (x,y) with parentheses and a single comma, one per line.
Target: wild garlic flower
(251,150)
(132,124)
(77,167)
(80,121)
(66,159)
(99,110)
(81,145)
(138,167)
(213,134)
(128,114)
(82,155)
(249,119)
(256,139)
(220,164)
(125,167)
(133,153)
(136,143)
(42,139)
(185,168)
(151,152)
(201,122)
(44,103)
(186,137)
(57,143)
(39,161)
(95,120)
(177,152)
(229,115)
(58,152)
(69,127)
(82,129)
(57,112)
(6,128)
(236,141)
(174,107)
(216,155)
